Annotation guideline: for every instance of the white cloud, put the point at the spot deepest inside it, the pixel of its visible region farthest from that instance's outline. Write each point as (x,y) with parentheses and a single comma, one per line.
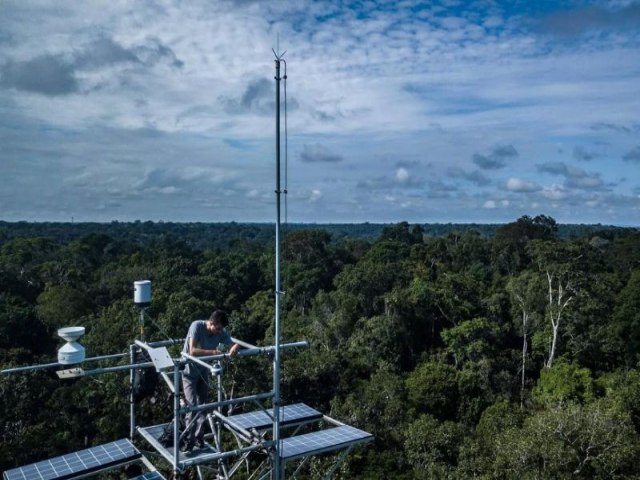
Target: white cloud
(178,97)
(555,192)
(519,185)
(402,175)
(315,195)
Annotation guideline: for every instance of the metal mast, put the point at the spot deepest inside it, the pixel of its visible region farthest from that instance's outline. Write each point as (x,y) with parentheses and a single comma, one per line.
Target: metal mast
(277,472)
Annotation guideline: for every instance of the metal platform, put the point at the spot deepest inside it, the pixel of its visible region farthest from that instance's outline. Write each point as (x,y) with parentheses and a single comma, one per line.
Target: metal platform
(78,464)
(195,457)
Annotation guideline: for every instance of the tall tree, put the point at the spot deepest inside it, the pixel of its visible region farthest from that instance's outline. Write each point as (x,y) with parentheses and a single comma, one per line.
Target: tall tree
(558,263)
(525,291)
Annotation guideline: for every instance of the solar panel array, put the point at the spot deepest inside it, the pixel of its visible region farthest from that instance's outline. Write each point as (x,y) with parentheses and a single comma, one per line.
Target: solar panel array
(78,463)
(322,441)
(289,414)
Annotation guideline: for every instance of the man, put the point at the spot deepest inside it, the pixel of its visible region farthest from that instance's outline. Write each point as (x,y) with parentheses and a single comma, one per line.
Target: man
(203,339)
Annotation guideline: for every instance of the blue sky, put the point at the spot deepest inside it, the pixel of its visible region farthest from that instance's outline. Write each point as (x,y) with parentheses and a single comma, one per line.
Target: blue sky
(451,111)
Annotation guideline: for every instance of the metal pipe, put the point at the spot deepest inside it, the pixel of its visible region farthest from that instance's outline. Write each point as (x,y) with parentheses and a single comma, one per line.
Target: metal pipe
(132,407)
(166,343)
(248,352)
(242,343)
(240,429)
(231,401)
(60,365)
(116,368)
(150,345)
(176,420)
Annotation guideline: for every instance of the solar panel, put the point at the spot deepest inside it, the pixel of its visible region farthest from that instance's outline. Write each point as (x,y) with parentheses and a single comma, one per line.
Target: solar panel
(322,441)
(152,475)
(77,464)
(289,414)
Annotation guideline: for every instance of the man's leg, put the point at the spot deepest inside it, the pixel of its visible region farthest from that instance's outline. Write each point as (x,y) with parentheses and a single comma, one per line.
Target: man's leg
(190,389)
(203,397)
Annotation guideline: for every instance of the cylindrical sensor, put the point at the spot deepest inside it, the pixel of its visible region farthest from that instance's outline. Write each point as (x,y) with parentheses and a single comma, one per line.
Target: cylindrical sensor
(142,293)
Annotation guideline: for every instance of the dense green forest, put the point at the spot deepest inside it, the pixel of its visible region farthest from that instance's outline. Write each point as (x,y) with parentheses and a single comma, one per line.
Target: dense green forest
(222,235)
(503,353)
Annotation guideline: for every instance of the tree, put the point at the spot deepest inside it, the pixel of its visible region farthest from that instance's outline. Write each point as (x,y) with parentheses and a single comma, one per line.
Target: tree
(470,340)
(557,262)
(562,383)
(626,320)
(525,291)
(432,446)
(510,241)
(594,441)
(62,305)
(433,388)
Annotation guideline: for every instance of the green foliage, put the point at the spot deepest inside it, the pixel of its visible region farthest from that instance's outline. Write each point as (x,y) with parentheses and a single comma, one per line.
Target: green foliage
(432,446)
(564,382)
(595,441)
(61,305)
(471,340)
(416,334)
(377,405)
(433,388)
(626,320)
(623,387)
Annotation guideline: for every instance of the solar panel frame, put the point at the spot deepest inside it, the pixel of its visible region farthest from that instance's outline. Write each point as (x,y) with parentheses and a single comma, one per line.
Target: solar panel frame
(322,441)
(263,419)
(77,464)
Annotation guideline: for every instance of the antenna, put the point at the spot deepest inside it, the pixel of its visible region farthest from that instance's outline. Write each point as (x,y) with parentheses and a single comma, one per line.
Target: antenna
(277,473)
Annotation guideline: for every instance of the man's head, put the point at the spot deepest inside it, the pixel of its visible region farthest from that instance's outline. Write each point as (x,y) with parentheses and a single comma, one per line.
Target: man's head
(217,322)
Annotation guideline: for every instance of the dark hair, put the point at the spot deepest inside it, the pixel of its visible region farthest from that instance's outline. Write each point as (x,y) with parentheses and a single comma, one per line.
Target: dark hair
(220,317)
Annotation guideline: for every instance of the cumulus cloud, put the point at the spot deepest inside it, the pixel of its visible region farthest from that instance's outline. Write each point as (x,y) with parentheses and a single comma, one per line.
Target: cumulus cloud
(315,195)
(183,181)
(366,77)
(55,75)
(497,159)
(632,155)
(574,177)
(103,52)
(317,153)
(555,192)
(519,185)
(50,75)
(257,98)
(582,154)
(476,177)
(402,175)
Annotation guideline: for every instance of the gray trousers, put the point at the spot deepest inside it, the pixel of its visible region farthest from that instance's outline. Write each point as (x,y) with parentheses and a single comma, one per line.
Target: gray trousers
(195,393)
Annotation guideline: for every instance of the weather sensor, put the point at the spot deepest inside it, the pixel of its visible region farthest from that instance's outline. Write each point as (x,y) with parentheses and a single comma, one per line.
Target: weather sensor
(71,352)
(142,293)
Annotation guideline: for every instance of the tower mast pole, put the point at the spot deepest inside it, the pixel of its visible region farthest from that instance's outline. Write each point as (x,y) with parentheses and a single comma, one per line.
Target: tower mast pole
(277,473)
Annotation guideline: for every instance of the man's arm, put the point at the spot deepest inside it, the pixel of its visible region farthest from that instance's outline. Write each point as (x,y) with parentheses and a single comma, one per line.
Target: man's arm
(196,351)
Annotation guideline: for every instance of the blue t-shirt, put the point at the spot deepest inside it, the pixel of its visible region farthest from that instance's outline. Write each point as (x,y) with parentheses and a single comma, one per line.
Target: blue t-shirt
(203,339)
